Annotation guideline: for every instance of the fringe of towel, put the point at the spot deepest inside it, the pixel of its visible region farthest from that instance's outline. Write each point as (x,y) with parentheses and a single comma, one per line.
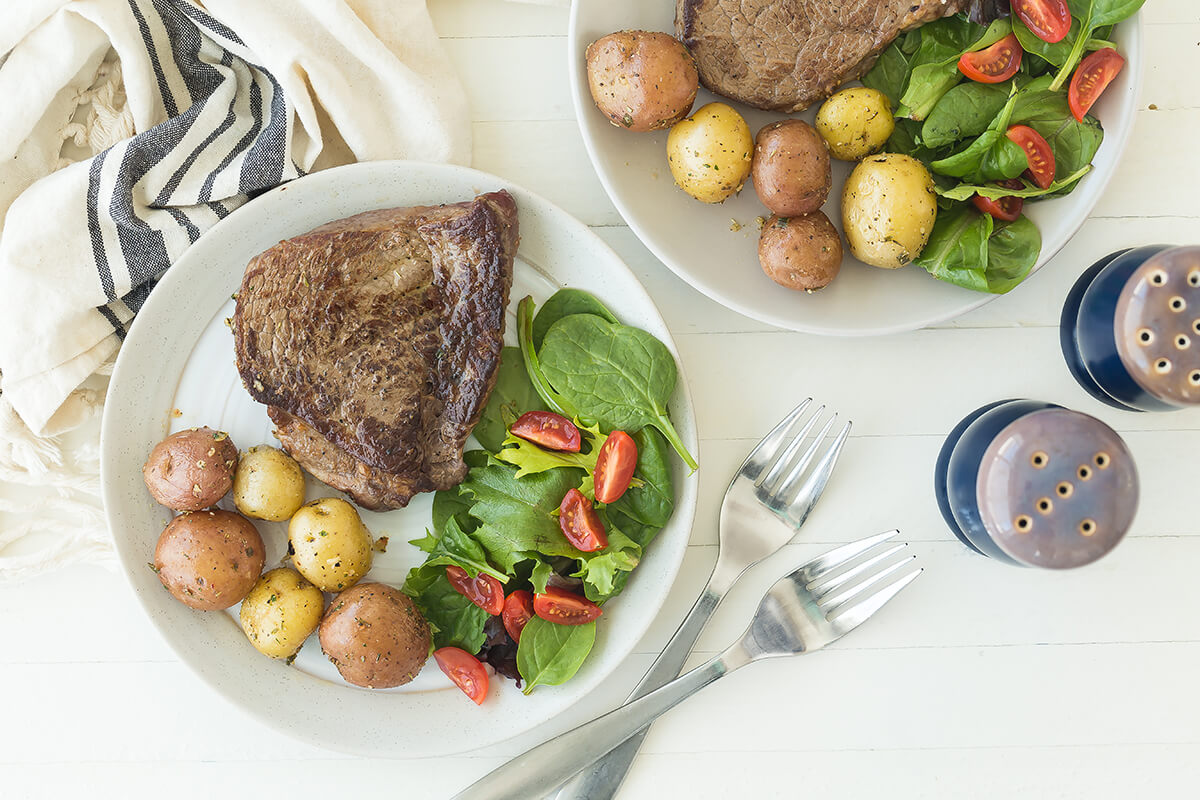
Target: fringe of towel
(53,506)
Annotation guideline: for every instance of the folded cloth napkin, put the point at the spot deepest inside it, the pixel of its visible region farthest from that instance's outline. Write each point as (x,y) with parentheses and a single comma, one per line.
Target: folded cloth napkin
(130,127)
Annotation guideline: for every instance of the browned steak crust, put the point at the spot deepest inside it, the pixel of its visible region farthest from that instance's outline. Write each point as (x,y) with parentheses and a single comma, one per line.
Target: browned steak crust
(784,55)
(375,339)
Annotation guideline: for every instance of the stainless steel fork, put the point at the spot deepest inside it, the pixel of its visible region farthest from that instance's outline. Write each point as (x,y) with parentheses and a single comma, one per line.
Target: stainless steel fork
(774,483)
(817,604)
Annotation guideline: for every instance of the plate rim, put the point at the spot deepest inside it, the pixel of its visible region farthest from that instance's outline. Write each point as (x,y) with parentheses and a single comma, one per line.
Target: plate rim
(581,103)
(686,493)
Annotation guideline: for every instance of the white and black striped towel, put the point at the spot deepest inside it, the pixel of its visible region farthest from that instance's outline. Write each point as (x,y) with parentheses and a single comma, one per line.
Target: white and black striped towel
(129,127)
(174,113)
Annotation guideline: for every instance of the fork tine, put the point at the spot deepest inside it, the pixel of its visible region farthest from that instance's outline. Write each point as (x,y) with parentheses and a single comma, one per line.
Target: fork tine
(834,559)
(851,618)
(785,458)
(822,587)
(769,444)
(803,499)
(843,596)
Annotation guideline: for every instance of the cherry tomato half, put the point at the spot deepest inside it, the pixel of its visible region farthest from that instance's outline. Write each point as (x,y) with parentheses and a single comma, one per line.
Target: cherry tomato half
(1091,77)
(580,523)
(551,431)
(614,466)
(994,64)
(465,670)
(564,608)
(1037,151)
(1050,20)
(483,590)
(518,610)
(1002,208)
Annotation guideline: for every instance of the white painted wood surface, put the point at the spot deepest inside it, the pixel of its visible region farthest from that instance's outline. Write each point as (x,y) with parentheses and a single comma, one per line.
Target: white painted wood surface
(980,681)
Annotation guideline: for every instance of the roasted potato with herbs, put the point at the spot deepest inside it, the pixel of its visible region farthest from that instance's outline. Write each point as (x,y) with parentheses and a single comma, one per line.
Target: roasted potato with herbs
(191,469)
(888,209)
(802,253)
(330,545)
(281,612)
(268,484)
(642,80)
(710,153)
(856,122)
(209,559)
(791,168)
(375,636)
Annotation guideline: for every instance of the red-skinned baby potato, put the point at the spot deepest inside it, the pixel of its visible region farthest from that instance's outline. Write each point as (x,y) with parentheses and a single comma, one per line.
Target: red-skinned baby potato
(191,469)
(375,636)
(791,169)
(209,559)
(802,253)
(642,80)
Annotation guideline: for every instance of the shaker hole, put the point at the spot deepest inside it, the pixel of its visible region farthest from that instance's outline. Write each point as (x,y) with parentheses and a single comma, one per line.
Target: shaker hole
(1178,303)
(1146,336)
(1194,278)
(1023,523)
(1162,366)
(1039,459)
(1194,377)
(1182,342)
(1087,527)
(1196,326)
(1158,277)
(1045,506)
(1102,460)
(1085,472)
(1065,489)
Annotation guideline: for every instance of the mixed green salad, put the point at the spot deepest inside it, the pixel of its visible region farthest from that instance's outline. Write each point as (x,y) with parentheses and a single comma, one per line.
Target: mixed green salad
(998,113)
(572,484)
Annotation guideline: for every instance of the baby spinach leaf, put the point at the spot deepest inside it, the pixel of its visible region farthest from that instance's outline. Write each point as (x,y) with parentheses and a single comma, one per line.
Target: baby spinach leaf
(550,654)
(890,73)
(512,396)
(964,111)
(963,191)
(1092,15)
(454,621)
(519,516)
(935,64)
(455,548)
(991,156)
(965,249)
(564,303)
(533,368)
(906,139)
(1074,143)
(1012,252)
(651,503)
(447,504)
(618,375)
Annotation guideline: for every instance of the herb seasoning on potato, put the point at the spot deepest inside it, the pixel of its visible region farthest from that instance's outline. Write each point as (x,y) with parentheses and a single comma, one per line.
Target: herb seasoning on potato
(642,80)
(330,544)
(888,209)
(856,123)
(710,153)
(191,469)
(209,559)
(268,484)
(281,611)
(791,168)
(802,253)
(375,636)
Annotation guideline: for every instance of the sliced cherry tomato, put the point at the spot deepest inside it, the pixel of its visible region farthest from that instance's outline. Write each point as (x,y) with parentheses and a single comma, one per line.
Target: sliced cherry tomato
(1002,208)
(552,431)
(994,64)
(614,466)
(1037,151)
(465,670)
(518,610)
(580,523)
(1091,77)
(1050,20)
(483,590)
(564,608)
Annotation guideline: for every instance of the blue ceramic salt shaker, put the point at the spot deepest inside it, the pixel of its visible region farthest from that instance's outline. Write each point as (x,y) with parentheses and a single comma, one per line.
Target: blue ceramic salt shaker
(1130,328)
(1034,484)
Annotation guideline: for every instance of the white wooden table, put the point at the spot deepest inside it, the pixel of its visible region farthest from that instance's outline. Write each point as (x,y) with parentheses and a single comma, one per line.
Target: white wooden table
(980,681)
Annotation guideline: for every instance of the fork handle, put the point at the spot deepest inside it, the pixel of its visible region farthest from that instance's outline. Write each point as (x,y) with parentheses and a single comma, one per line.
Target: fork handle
(541,769)
(602,779)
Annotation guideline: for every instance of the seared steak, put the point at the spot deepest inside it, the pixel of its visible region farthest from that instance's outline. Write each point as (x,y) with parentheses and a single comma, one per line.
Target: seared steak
(784,55)
(374,342)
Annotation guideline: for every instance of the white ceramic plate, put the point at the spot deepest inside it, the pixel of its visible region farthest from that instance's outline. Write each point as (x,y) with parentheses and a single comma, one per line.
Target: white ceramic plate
(179,355)
(696,241)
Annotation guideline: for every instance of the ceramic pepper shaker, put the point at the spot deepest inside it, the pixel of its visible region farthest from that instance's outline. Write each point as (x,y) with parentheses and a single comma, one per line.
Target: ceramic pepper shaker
(1034,484)
(1130,329)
